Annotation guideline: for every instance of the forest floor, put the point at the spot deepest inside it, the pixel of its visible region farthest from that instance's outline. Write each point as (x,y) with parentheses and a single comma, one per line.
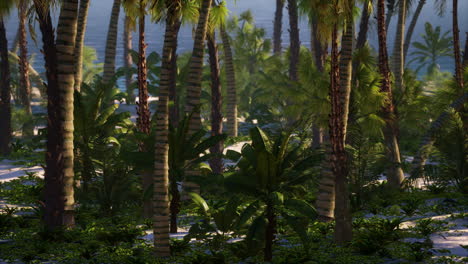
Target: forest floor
(452,240)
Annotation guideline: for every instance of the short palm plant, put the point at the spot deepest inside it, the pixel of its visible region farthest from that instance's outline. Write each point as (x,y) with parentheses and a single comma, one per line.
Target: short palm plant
(270,171)
(435,46)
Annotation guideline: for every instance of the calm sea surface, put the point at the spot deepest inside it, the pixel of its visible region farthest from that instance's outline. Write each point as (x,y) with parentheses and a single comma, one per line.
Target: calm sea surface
(263,11)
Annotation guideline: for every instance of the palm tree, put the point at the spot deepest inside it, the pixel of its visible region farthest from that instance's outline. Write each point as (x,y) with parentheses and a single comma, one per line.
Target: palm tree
(217,19)
(111,43)
(60,65)
(434,47)
(5,88)
(79,43)
(231,98)
(195,73)
(295,44)
(24,83)
(277,25)
(411,27)
(395,174)
(391,5)
(127,38)
(161,172)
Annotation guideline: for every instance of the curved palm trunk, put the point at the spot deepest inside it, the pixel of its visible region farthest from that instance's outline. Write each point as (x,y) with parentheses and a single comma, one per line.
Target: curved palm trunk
(127,61)
(59,174)
(162,219)
(295,44)
(111,43)
(194,78)
(143,112)
(79,43)
(346,68)
(429,138)
(395,174)
(409,33)
(24,83)
(216,163)
(319,52)
(231,107)
(277,27)
(5,93)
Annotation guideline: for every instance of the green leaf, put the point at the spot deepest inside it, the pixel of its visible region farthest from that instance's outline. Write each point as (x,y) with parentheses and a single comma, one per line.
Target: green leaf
(302,207)
(199,201)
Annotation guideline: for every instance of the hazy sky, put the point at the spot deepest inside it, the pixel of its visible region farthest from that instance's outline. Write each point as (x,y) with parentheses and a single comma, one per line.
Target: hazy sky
(263,11)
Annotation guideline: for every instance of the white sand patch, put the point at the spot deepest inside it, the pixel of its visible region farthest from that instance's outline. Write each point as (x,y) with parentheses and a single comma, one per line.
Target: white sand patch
(10,171)
(451,240)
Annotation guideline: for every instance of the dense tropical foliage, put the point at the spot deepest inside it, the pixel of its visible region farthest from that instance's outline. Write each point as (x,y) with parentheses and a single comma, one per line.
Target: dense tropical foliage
(244,149)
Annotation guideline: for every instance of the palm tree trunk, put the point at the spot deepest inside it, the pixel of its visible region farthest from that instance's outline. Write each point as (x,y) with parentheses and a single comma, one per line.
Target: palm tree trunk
(231,108)
(127,61)
(409,33)
(195,76)
(173,96)
(5,93)
(325,204)
(111,43)
(24,83)
(395,174)
(318,52)
(143,112)
(216,163)
(59,174)
(456,46)
(277,27)
(346,68)
(79,44)
(343,229)
(162,218)
(364,25)
(295,44)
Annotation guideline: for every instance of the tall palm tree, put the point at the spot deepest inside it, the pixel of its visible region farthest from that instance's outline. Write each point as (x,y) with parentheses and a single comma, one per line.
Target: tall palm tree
(435,45)
(24,83)
(277,27)
(195,74)
(111,43)
(295,44)
(395,174)
(127,60)
(60,65)
(161,173)
(231,102)
(79,43)
(409,33)
(5,88)
(217,19)
(391,5)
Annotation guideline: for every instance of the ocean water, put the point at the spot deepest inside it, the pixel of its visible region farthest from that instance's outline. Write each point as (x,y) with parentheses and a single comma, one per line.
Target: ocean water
(263,11)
